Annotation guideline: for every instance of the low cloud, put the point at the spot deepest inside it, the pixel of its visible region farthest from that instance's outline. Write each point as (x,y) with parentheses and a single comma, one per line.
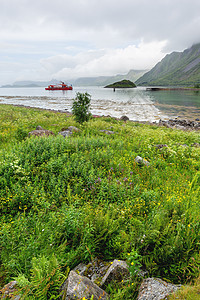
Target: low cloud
(105,62)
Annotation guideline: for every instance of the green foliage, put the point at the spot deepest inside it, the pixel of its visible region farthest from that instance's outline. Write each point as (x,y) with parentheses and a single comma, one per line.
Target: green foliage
(81,106)
(45,281)
(134,264)
(84,197)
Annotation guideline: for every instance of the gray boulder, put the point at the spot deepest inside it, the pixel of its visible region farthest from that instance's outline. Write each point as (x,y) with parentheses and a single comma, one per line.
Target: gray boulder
(141,161)
(39,131)
(9,291)
(39,128)
(77,287)
(124,118)
(69,131)
(107,131)
(65,133)
(95,270)
(73,129)
(117,271)
(155,289)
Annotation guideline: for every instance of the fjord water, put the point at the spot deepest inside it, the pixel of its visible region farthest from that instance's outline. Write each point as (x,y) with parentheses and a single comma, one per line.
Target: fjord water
(136,103)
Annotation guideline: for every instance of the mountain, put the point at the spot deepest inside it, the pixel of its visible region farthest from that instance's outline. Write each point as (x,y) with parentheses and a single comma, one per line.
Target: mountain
(132,75)
(29,83)
(175,69)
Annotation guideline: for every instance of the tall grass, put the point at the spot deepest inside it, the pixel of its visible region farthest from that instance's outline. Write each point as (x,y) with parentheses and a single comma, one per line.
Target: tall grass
(85,196)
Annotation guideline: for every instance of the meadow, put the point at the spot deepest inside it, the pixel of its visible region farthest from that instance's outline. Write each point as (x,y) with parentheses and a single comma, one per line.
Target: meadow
(69,200)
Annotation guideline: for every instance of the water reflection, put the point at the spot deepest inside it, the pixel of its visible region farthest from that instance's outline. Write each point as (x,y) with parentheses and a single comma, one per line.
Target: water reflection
(182,103)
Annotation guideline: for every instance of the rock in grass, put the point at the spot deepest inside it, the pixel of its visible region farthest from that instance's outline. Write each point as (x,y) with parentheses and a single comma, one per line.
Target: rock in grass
(107,131)
(69,131)
(40,132)
(9,291)
(155,289)
(124,118)
(117,271)
(73,129)
(78,287)
(141,161)
(65,133)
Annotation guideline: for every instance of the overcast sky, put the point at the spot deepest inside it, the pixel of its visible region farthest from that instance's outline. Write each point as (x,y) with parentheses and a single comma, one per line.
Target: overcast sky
(45,39)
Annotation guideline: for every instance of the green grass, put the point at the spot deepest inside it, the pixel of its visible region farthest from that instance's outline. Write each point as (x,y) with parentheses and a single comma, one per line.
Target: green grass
(188,292)
(65,201)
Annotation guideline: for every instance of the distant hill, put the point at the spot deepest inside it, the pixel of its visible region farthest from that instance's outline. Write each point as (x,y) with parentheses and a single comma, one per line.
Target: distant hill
(175,69)
(132,75)
(29,83)
(122,84)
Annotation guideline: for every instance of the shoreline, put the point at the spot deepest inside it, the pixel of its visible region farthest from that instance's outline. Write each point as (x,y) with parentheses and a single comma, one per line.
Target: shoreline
(176,123)
(172,89)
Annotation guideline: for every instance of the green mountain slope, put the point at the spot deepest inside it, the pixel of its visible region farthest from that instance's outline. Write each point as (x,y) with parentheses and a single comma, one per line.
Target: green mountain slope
(176,69)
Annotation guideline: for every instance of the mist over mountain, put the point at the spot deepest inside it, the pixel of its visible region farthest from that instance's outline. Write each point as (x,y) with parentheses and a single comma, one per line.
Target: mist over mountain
(132,75)
(175,69)
(29,83)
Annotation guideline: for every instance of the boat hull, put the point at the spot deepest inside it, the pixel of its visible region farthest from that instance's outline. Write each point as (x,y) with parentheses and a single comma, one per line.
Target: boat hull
(59,88)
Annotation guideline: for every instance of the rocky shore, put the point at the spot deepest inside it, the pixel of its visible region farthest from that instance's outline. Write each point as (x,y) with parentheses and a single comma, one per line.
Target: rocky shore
(181,124)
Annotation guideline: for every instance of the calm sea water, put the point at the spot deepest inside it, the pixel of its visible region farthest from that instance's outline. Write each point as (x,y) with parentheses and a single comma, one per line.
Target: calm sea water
(138,104)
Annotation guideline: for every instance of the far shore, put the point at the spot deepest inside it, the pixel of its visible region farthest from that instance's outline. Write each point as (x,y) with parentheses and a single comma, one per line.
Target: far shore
(172,89)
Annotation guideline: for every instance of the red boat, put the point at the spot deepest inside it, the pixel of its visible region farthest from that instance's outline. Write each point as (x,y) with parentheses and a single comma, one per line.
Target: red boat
(62,86)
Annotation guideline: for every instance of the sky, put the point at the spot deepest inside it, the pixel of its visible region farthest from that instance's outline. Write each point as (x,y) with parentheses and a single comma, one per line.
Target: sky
(62,39)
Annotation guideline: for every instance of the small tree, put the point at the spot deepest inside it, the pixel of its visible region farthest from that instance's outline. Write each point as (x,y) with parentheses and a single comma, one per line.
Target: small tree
(81,106)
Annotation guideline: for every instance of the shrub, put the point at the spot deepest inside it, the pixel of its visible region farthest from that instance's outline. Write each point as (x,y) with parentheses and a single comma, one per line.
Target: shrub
(81,106)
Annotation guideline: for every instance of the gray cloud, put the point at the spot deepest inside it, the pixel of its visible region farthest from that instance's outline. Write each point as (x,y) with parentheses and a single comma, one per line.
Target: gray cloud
(67,34)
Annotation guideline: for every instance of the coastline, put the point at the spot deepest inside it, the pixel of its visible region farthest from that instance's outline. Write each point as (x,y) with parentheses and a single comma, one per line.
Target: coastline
(137,104)
(176,123)
(154,89)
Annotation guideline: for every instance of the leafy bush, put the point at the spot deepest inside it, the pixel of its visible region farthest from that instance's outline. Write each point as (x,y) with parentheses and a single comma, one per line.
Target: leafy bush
(80,107)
